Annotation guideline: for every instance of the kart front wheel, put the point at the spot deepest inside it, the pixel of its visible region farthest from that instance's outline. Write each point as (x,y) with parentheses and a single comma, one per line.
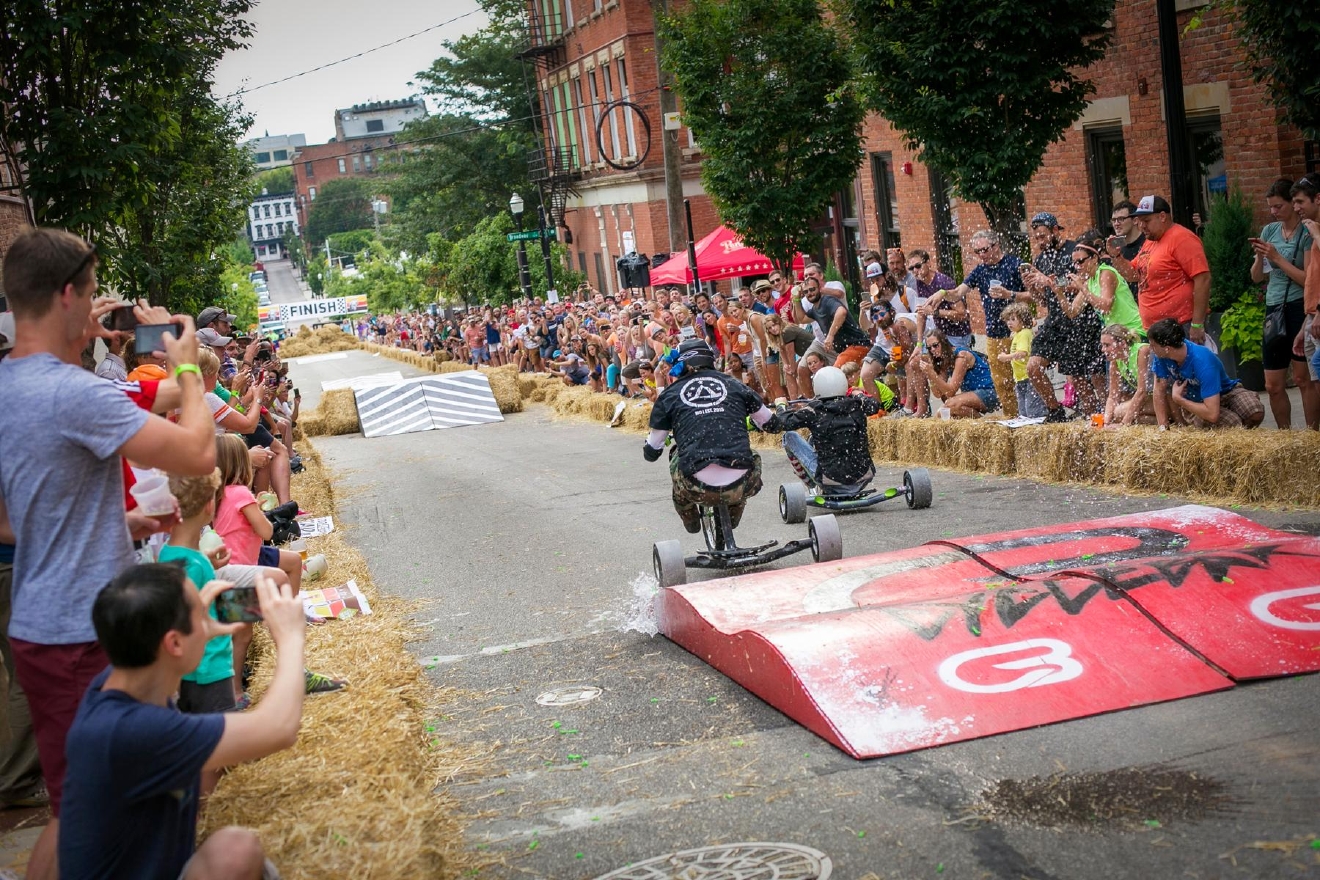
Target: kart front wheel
(792,502)
(826,542)
(916,485)
(670,567)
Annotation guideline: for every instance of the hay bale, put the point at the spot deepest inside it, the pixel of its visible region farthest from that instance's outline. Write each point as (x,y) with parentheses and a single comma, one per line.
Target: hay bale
(454,367)
(336,413)
(355,797)
(504,385)
(324,341)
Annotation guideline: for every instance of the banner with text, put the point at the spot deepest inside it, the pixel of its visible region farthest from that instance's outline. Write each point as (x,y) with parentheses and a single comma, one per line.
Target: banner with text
(312,309)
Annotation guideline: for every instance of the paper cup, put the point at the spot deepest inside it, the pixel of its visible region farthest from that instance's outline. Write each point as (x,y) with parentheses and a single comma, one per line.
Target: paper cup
(152,494)
(316,567)
(944,413)
(300,547)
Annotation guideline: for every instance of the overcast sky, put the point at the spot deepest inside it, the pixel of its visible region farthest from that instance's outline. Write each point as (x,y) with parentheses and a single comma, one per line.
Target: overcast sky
(297,35)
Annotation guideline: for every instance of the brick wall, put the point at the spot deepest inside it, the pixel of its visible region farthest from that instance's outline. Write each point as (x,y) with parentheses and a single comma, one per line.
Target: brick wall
(324,162)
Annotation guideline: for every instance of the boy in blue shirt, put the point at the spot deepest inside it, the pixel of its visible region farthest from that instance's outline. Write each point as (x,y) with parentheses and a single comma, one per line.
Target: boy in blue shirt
(1191,386)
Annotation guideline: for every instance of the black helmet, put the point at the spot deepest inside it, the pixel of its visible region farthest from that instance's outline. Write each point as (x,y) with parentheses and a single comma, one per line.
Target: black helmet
(695,354)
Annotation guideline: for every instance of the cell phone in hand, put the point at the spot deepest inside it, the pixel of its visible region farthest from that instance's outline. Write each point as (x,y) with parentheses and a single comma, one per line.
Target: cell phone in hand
(1117,241)
(238,605)
(149,336)
(122,319)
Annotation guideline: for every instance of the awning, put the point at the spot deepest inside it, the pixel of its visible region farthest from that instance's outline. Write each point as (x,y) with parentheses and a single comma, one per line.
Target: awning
(721,254)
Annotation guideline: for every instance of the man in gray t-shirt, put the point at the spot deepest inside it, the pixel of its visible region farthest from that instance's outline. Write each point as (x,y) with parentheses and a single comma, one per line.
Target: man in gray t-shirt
(63,432)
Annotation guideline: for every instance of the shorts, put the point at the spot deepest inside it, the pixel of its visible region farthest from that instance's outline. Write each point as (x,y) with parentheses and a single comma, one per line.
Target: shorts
(480,354)
(259,437)
(1279,356)
(818,348)
(968,341)
(242,575)
(1237,408)
(632,370)
(268,556)
(989,398)
(1312,352)
(579,378)
(55,677)
(853,354)
(206,699)
(772,358)
(493,347)
(879,355)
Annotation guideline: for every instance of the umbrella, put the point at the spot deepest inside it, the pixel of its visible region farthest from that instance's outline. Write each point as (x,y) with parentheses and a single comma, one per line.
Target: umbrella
(721,254)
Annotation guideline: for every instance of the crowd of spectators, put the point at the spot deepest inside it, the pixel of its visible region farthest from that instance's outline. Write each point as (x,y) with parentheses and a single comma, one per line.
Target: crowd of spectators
(122,688)
(1066,332)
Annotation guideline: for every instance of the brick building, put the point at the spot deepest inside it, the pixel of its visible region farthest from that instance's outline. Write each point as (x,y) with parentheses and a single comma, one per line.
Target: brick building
(590,53)
(318,164)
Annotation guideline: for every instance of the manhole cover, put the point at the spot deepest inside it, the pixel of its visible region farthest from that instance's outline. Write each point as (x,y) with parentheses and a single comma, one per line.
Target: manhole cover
(569,696)
(734,861)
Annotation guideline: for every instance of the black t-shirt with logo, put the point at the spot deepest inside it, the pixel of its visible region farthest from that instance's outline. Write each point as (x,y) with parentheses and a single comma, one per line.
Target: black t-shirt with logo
(707,412)
(823,313)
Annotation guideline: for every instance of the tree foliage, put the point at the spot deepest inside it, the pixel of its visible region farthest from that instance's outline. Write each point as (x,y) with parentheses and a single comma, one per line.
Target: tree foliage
(108,106)
(1280,37)
(276,181)
(980,90)
(765,88)
(342,205)
(483,266)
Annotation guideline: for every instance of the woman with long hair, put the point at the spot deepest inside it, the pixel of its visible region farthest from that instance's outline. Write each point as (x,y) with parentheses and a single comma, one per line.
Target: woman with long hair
(1129,401)
(958,376)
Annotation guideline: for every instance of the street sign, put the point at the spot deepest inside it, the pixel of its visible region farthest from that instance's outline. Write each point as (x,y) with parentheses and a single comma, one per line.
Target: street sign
(530,235)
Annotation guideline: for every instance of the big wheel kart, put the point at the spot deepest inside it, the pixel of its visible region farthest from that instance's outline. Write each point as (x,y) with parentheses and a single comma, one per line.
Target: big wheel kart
(795,498)
(722,551)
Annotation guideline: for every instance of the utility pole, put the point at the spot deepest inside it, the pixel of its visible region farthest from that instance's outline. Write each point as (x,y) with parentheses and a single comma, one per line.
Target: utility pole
(672,152)
(1181,174)
(551,294)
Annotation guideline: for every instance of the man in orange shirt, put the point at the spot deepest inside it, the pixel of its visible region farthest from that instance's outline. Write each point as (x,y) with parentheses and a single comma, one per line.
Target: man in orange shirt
(1174,273)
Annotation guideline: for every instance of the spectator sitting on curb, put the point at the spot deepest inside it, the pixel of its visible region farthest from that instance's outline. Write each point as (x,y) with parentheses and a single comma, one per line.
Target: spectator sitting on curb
(135,761)
(1193,378)
(65,491)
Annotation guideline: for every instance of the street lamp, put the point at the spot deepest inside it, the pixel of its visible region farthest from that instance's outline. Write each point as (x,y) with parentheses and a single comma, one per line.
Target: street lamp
(516,205)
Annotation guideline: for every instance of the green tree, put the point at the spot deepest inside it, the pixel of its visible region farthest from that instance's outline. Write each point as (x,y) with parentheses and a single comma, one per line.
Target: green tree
(341,205)
(107,105)
(765,89)
(1280,37)
(276,181)
(982,90)
(483,267)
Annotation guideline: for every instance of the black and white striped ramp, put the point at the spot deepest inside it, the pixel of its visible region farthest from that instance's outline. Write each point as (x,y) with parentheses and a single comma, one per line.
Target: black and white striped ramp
(425,404)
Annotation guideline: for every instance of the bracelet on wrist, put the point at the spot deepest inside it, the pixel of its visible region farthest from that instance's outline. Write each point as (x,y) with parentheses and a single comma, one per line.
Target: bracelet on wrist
(1198,326)
(187,368)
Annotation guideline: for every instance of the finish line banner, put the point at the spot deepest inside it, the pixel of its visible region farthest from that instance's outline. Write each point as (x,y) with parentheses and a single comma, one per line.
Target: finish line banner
(315,308)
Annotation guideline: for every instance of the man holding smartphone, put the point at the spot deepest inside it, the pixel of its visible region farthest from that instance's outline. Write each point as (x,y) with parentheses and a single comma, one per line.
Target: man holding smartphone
(65,494)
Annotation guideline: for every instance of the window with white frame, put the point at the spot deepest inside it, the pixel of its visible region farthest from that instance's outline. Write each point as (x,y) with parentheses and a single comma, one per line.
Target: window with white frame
(311,192)
(588,131)
(614,114)
(342,169)
(627,114)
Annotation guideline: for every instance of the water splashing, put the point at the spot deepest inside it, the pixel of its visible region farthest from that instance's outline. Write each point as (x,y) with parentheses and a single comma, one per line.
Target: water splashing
(641,614)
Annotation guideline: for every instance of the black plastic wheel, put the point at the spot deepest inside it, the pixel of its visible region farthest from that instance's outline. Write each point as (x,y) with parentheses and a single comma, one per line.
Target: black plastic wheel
(670,567)
(826,542)
(792,502)
(916,485)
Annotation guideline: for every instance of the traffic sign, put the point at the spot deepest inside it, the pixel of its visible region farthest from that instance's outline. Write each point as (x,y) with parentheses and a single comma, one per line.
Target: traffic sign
(530,235)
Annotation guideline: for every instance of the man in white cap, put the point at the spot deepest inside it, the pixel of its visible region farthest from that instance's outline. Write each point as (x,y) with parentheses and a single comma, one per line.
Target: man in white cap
(1174,272)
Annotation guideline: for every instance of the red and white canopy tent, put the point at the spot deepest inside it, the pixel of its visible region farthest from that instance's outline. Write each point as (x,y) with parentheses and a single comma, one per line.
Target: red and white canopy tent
(721,254)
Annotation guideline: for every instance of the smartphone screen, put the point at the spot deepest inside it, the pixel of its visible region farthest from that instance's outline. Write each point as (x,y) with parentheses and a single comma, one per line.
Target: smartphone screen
(148,338)
(121,319)
(238,605)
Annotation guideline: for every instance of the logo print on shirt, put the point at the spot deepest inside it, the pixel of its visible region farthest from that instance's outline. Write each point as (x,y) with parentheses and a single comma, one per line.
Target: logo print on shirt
(703,392)
(1260,606)
(1053,667)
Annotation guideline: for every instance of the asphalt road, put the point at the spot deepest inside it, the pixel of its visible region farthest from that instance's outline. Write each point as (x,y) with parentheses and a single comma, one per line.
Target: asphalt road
(525,543)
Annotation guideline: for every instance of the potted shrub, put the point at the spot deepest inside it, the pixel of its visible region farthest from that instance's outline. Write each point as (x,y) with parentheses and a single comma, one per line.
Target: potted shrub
(1226,239)
(1241,328)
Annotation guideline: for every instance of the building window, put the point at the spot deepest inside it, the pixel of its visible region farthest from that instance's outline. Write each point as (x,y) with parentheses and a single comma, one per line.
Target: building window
(279,227)
(1106,158)
(582,262)
(281,155)
(263,158)
(279,208)
(309,169)
(366,160)
(265,210)
(270,231)
(886,202)
(357,165)
(375,125)
(341,166)
(1205,138)
(570,124)
(600,272)
(614,114)
(588,133)
(627,114)
(596,106)
(311,192)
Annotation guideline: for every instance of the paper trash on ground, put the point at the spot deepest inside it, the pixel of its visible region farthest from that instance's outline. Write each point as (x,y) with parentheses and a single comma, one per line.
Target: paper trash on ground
(338,603)
(316,526)
(1019,422)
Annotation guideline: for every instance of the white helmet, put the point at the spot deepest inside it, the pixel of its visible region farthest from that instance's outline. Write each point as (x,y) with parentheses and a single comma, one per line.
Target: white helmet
(829,382)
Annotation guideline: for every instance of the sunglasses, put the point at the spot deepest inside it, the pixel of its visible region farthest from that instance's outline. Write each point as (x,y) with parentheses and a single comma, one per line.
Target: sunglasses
(912,267)
(981,250)
(77,270)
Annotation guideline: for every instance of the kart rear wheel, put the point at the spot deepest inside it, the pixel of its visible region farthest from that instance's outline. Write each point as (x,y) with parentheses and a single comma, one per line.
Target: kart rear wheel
(667,559)
(792,502)
(916,485)
(826,542)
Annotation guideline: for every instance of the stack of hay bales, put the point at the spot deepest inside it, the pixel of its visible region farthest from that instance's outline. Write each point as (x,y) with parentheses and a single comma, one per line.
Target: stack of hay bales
(504,385)
(336,413)
(323,341)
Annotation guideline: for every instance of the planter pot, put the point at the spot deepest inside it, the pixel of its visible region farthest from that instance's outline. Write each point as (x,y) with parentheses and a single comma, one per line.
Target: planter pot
(1252,375)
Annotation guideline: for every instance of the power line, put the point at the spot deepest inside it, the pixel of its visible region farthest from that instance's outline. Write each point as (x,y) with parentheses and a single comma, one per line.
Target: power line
(357,55)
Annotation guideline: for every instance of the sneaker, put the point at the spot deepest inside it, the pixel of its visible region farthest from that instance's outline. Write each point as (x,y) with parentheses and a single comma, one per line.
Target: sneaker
(692,525)
(321,684)
(37,797)
(1056,416)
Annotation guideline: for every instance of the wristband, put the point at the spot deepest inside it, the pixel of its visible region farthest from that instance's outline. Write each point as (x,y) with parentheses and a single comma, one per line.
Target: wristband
(187,368)
(1198,326)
